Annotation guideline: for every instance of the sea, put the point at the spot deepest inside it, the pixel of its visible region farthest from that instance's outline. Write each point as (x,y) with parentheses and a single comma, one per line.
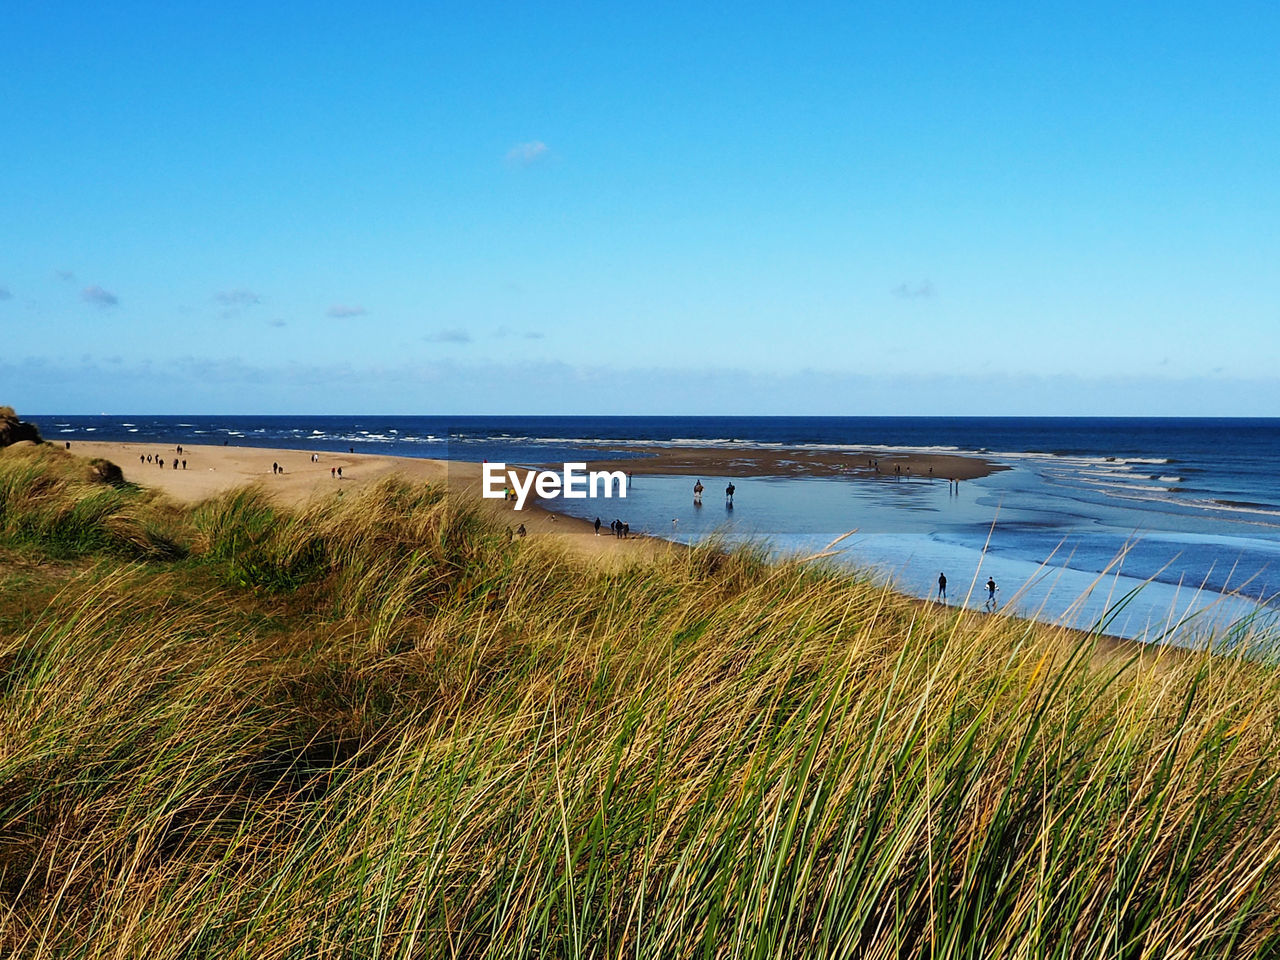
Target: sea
(1165,530)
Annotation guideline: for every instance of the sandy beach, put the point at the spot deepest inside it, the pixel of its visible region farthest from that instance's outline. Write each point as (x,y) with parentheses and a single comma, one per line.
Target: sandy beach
(215,469)
(212,469)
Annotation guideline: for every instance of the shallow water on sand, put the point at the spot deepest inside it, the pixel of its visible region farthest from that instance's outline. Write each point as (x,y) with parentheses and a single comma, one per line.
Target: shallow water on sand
(1057,550)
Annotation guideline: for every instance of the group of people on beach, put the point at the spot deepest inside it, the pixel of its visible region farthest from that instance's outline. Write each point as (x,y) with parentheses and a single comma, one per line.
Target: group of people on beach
(989,606)
(619,528)
(162,461)
(698,488)
(334,472)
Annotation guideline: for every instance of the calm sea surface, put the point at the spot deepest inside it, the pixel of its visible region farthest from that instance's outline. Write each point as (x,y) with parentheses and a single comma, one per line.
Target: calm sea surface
(1179,516)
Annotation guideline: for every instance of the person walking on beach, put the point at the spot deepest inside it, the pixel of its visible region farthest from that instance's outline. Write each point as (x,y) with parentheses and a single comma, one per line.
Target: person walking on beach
(697,492)
(942,587)
(991,593)
(728,492)
(597,526)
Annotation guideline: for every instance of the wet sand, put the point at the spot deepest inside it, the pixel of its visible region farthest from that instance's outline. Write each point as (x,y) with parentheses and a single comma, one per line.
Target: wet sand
(745,461)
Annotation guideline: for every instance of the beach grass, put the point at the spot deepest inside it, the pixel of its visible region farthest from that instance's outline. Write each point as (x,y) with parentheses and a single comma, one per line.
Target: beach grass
(377,727)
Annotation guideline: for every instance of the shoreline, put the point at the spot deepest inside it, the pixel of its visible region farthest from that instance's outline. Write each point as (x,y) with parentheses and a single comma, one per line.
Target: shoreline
(215,469)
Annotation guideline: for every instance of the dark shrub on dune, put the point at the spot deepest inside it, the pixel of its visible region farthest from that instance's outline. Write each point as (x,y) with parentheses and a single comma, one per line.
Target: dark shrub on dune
(104,471)
(13,430)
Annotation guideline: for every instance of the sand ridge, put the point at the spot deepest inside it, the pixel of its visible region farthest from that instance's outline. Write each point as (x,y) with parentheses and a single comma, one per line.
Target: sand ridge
(743,460)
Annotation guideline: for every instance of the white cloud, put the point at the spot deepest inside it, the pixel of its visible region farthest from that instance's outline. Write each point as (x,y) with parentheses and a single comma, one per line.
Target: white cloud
(525,154)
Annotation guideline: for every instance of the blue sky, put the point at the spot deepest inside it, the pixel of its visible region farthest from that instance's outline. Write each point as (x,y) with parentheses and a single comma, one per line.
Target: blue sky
(926,208)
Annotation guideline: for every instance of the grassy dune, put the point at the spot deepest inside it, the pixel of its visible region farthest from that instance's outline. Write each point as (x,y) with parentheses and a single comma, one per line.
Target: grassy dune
(377,728)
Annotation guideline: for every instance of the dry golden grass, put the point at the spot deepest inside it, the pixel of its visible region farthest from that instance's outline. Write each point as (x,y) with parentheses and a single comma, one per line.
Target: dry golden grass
(377,728)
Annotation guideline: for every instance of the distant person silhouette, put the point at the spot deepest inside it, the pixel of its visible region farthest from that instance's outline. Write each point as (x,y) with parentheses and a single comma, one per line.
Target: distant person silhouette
(597,526)
(991,593)
(942,587)
(728,492)
(697,492)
